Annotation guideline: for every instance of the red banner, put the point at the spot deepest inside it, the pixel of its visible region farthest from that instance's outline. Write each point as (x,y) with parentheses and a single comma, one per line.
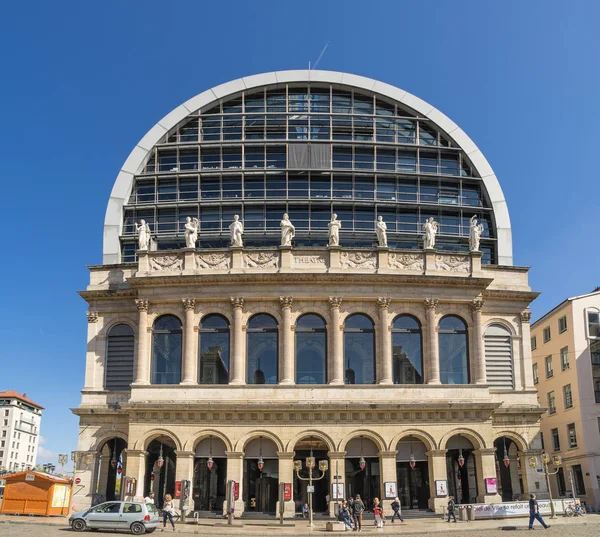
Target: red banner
(287,492)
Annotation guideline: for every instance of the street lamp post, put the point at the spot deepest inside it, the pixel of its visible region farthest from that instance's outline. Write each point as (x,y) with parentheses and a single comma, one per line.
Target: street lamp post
(310,464)
(62,460)
(545,460)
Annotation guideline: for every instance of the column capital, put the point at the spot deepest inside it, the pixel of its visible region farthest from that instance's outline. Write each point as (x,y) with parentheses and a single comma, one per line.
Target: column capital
(526,316)
(92,316)
(185,454)
(485,451)
(142,304)
(335,302)
(336,454)
(286,302)
(135,452)
(286,455)
(189,303)
(431,304)
(388,454)
(237,302)
(477,304)
(384,302)
(436,453)
(234,454)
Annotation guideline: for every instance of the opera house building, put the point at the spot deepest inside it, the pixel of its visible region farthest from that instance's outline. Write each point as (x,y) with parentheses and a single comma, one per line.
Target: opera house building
(380,325)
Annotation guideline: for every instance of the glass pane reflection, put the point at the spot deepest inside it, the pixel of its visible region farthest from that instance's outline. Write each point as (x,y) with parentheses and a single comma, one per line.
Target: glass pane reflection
(453,351)
(214,350)
(262,350)
(407,354)
(359,350)
(166,350)
(311,350)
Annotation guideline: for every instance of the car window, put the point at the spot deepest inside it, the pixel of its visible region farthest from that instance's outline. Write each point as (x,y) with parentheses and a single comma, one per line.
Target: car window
(151,508)
(107,508)
(132,508)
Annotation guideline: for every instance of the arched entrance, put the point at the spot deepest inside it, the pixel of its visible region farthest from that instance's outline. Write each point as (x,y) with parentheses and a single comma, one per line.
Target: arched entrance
(261,475)
(110,470)
(311,447)
(508,469)
(362,470)
(412,473)
(461,469)
(160,469)
(210,475)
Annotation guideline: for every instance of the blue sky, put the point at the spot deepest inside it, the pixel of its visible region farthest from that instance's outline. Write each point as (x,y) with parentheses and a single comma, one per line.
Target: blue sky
(82,82)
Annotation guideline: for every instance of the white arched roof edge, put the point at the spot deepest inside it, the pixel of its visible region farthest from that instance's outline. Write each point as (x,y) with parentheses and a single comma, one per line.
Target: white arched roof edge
(137,158)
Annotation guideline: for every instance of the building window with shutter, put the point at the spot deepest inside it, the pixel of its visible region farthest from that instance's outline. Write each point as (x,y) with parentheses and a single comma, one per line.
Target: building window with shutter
(568,396)
(120,351)
(549,369)
(536,377)
(555,440)
(498,357)
(547,335)
(551,403)
(571,433)
(562,324)
(564,359)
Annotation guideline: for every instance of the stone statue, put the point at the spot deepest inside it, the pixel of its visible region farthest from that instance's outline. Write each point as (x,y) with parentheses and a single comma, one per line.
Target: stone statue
(475,234)
(143,231)
(191,232)
(236,230)
(431,228)
(381,230)
(334,230)
(288,231)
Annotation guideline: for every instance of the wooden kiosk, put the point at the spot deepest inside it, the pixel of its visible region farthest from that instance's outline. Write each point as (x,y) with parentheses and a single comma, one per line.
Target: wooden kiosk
(36,493)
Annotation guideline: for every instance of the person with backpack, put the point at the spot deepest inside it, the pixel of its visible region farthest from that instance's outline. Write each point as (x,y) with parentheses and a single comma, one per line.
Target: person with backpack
(359,509)
(451,508)
(397,508)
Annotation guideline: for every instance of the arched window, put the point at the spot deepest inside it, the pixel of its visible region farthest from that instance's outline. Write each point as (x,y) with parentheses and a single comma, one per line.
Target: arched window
(263,353)
(120,350)
(214,350)
(454,353)
(498,356)
(359,350)
(407,353)
(166,350)
(311,350)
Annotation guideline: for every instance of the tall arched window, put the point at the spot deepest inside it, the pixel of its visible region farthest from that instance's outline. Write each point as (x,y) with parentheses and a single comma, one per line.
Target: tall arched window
(407,354)
(263,353)
(311,350)
(454,353)
(166,350)
(359,350)
(118,374)
(214,350)
(498,356)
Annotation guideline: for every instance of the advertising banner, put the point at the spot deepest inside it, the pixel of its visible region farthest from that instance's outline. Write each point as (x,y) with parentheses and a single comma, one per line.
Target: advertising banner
(514,509)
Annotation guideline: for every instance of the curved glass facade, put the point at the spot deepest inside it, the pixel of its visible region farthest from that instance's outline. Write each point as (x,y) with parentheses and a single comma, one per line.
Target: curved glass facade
(310,151)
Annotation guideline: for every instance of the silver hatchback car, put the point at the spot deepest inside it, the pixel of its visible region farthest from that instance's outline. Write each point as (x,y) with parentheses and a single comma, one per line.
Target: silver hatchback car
(138,517)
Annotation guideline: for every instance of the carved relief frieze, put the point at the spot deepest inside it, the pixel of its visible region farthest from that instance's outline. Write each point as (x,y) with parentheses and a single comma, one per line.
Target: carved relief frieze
(414,262)
(166,263)
(261,260)
(453,263)
(362,260)
(214,261)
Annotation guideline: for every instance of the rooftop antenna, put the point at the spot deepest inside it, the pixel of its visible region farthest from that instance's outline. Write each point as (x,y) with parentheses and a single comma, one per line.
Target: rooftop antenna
(318,59)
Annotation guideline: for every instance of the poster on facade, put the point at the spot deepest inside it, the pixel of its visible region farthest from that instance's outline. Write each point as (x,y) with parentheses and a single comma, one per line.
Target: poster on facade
(391,490)
(60,496)
(491,485)
(441,487)
(337,491)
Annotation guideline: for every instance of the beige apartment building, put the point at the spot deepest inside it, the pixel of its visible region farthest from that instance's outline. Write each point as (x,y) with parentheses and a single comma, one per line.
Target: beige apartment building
(406,369)
(565,345)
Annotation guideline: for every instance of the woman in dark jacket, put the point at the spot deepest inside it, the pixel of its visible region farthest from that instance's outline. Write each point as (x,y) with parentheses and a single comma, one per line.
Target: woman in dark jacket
(396,507)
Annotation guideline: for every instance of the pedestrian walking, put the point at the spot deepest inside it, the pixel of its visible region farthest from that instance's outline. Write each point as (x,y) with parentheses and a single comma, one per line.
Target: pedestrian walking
(358,510)
(168,512)
(534,512)
(451,508)
(397,508)
(378,513)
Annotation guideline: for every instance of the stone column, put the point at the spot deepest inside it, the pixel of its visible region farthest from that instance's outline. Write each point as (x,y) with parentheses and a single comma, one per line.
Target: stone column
(526,361)
(384,371)
(286,475)
(336,371)
(136,467)
(387,469)
(238,377)
(337,466)
(184,469)
(287,360)
(235,472)
(479,350)
(433,360)
(90,355)
(437,472)
(142,357)
(190,361)
(83,493)
(485,465)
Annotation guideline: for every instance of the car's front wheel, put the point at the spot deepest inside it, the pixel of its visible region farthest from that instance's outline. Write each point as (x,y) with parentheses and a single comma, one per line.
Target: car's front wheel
(78,524)
(137,528)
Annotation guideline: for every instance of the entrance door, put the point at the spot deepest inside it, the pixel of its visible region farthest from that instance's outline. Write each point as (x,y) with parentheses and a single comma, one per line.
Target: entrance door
(209,487)
(413,485)
(260,488)
(321,486)
(364,482)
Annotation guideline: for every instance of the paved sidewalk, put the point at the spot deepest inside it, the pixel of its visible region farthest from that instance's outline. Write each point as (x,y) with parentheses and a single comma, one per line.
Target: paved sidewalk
(243,528)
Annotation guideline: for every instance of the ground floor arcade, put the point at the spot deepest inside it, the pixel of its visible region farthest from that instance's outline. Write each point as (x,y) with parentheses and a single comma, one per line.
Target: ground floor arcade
(420,464)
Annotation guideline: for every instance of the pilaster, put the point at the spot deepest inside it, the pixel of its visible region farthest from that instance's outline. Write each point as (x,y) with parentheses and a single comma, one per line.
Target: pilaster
(337,358)
(238,376)
(190,361)
(387,465)
(136,467)
(384,372)
(91,380)
(142,357)
(335,261)
(485,464)
(287,360)
(437,472)
(285,257)
(526,370)
(479,361)
(235,472)
(286,475)
(433,358)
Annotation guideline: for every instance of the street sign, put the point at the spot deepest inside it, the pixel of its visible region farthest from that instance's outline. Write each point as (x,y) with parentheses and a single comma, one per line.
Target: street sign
(77,480)
(310,488)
